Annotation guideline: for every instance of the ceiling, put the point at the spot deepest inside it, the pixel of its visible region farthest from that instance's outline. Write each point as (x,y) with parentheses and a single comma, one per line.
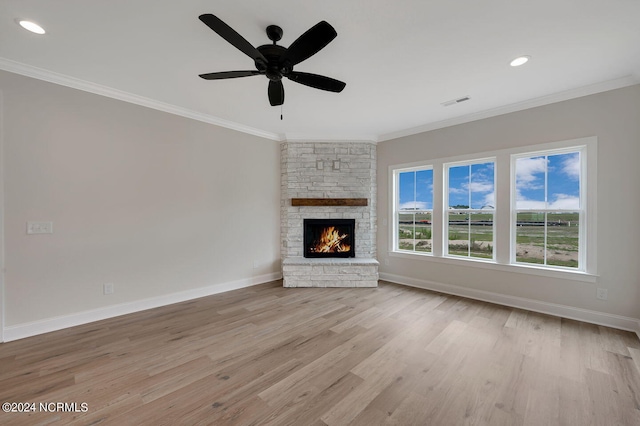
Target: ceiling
(401,60)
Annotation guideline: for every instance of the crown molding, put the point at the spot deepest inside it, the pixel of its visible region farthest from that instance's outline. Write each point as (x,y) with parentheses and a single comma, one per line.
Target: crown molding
(293,137)
(98,89)
(75,83)
(591,89)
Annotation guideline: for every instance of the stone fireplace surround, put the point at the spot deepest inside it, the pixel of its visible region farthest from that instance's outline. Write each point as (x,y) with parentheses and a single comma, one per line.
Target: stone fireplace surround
(328,170)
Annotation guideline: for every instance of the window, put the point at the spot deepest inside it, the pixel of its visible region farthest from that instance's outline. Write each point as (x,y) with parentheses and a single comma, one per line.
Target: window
(470,209)
(414,208)
(549,209)
(540,222)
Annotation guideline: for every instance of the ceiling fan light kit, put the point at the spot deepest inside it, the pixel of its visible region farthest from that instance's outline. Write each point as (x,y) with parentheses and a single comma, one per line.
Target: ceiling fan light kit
(276,62)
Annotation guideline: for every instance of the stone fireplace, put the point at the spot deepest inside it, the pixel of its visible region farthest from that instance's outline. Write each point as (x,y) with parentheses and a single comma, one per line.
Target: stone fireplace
(329,173)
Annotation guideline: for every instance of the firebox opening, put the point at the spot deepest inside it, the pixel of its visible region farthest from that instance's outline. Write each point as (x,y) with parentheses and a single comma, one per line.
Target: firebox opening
(329,238)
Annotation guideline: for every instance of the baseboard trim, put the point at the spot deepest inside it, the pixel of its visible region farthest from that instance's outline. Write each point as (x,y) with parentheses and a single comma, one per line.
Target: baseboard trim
(35,328)
(564,311)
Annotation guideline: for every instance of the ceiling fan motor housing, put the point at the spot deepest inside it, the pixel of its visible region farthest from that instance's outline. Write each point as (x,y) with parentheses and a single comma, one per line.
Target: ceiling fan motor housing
(275,68)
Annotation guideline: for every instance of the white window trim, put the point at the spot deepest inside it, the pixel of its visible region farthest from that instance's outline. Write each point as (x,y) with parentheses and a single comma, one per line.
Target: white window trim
(502,227)
(395,244)
(582,248)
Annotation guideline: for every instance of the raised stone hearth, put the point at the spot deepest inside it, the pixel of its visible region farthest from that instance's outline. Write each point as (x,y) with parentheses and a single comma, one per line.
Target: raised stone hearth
(330,272)
(329,170)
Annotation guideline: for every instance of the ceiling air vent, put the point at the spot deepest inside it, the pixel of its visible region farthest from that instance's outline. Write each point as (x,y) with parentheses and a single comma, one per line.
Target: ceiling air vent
(455,101)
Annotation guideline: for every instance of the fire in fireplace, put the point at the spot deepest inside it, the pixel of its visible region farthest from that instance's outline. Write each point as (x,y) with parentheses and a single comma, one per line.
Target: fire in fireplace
(329,238)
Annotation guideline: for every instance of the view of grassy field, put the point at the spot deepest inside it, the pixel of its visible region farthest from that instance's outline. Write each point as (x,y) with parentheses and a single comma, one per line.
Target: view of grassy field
(414,234)
(562,239)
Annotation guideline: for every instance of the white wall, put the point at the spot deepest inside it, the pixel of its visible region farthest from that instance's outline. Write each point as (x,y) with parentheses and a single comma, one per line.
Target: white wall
(155,203)
(614,117)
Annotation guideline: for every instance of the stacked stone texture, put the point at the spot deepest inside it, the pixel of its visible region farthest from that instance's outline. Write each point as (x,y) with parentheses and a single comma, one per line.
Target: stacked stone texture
(355,178)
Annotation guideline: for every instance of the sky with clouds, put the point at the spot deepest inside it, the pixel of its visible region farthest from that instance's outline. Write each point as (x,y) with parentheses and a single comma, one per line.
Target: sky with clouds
(416,190)
(551,182)
(562,187)
(472,185)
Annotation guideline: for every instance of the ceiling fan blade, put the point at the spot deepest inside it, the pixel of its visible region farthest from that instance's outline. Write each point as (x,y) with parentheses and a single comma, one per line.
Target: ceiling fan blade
(310,43)
(317,81)
(228,74)
(276,93)
(229,34)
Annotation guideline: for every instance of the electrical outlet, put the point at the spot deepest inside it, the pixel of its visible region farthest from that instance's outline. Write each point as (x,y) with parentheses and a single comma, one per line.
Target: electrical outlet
(386,262)
(108,288)
(255,264)
(602,293)
(39,228)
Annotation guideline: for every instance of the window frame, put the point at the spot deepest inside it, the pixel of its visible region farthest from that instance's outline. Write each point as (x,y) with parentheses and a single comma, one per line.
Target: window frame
(503,225)
(582,211)
(446,208)
(396,210)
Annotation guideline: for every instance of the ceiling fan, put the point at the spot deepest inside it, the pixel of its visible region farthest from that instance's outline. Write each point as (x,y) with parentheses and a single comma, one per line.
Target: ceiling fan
(276,62)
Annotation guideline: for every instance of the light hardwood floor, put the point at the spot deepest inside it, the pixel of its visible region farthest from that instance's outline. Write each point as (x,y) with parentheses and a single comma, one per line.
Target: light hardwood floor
(271,355)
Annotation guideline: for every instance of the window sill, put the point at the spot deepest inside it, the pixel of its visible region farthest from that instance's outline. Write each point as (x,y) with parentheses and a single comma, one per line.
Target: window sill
(489,264)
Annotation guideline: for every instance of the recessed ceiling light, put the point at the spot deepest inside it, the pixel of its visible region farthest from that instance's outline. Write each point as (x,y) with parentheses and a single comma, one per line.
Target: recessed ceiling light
(520,61)
(31,26)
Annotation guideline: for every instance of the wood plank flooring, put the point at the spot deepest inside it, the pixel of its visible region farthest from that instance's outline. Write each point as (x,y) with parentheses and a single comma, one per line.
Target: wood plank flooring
(268,355)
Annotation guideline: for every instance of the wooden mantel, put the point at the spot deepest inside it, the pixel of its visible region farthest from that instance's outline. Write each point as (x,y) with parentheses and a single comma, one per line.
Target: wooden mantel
(329,202)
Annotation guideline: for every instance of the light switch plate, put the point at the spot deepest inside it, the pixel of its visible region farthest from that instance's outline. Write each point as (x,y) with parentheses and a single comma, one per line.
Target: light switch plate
(39,228)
